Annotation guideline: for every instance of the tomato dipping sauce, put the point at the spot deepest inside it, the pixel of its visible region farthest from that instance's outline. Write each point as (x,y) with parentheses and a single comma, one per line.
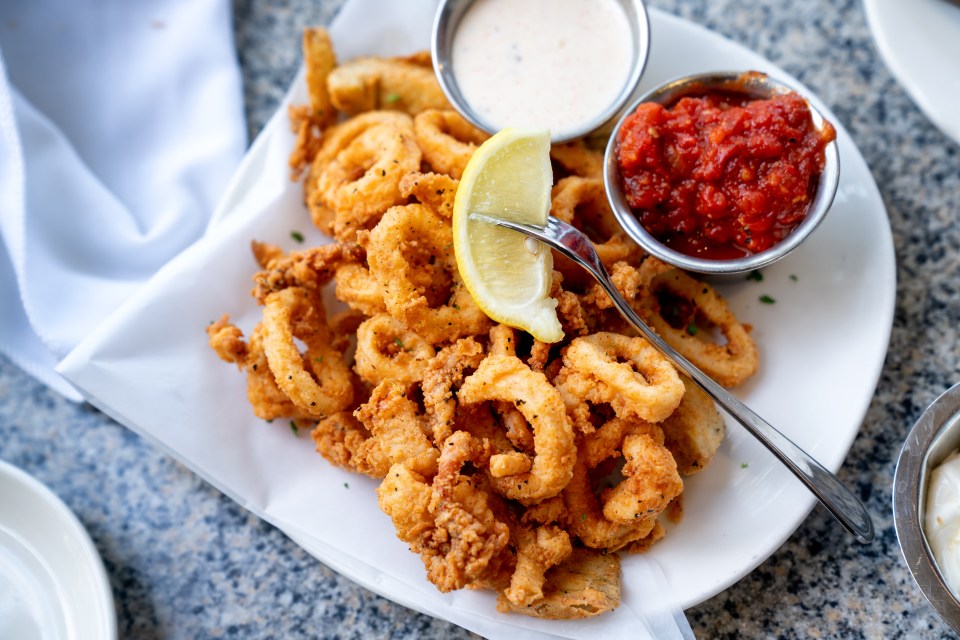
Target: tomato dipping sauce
(722,175)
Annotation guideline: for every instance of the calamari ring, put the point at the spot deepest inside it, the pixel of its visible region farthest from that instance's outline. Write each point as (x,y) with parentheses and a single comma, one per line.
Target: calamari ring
(435,190)
(386,349)
(588,522)
(408,242)
(583,203)
(358,170)
(319,381)
(646,386)
(356,286)
(650,481)
(447,140)
(507,378)
(266,398)
(730,363)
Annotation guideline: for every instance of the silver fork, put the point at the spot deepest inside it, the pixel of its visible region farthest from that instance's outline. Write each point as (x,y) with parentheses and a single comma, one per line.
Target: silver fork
(828,489)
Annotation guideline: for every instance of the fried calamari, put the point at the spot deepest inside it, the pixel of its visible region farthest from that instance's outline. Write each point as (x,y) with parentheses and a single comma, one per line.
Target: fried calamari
(505,463)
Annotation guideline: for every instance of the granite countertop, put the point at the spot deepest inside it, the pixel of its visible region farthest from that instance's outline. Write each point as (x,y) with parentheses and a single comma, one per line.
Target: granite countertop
(184,561)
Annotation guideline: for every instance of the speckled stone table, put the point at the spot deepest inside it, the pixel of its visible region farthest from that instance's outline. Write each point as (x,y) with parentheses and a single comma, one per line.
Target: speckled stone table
(186,562)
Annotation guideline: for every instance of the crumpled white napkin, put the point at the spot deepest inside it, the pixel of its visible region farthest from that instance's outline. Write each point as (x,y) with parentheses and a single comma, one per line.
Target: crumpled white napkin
(120,126)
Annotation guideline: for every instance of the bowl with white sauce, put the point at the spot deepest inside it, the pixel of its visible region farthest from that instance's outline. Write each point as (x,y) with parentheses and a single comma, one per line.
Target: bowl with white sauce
(567,65)
(926,504)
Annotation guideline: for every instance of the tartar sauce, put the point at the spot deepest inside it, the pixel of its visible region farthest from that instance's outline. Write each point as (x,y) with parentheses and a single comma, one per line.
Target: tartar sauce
(542,63)
(942,520)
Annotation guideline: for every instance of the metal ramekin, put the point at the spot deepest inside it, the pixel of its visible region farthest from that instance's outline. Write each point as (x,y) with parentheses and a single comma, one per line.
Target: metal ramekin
(446,21)
(754,84)
(935,435)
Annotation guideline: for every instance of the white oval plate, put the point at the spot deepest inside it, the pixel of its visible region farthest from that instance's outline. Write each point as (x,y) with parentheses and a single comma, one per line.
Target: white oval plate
(823,343)
(52,581)
(920,43)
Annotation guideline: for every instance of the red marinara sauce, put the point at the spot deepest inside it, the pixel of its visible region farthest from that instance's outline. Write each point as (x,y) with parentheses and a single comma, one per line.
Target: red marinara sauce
(720,175)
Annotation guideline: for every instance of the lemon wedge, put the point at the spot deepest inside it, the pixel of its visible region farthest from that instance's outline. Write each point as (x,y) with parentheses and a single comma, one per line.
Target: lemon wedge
(508,177)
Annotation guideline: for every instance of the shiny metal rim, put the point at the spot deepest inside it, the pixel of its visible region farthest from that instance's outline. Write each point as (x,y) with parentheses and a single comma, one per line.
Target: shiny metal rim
(935,434)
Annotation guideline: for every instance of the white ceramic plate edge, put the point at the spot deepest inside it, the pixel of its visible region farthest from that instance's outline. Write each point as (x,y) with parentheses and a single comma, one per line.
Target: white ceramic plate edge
(81,622)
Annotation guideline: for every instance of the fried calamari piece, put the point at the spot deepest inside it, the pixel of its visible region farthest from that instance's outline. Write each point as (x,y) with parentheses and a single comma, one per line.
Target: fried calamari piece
(356,174)
(266,398)
(411,255)
(643,385)
(405,84)
(695,431)
(356,286)
(398,433)
(585,585)
(308,135)
(387,350)
(318,381)
(319,60)
(506,378)
(586,519)
(538,550)
(309,121)
(450,522)
(310,269)
(338,439)
(441,379)
(447,140)
(650,480)
(434,190)
(682,310)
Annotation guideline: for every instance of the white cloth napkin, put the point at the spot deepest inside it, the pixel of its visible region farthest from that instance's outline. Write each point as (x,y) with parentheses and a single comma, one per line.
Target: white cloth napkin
(120,126)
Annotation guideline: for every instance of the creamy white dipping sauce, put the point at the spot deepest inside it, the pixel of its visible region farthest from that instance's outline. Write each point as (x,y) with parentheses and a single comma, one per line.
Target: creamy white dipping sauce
(557,64)
(942,519)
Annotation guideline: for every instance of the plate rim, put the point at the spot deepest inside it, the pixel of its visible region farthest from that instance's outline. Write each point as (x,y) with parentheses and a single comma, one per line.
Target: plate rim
(898,68)
(90,559)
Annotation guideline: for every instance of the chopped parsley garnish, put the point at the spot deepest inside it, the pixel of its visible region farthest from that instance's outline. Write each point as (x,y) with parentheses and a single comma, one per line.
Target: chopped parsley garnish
(793,277)
(346,485)
(296,235)
(765,299)
(391,98)
(744,465)
(755,275)
(692,329)
(398,342)
(294,428)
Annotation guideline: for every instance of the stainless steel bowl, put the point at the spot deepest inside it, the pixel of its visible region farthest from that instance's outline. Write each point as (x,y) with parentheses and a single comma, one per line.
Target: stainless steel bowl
(446,21)
(933,437)
(753,84)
